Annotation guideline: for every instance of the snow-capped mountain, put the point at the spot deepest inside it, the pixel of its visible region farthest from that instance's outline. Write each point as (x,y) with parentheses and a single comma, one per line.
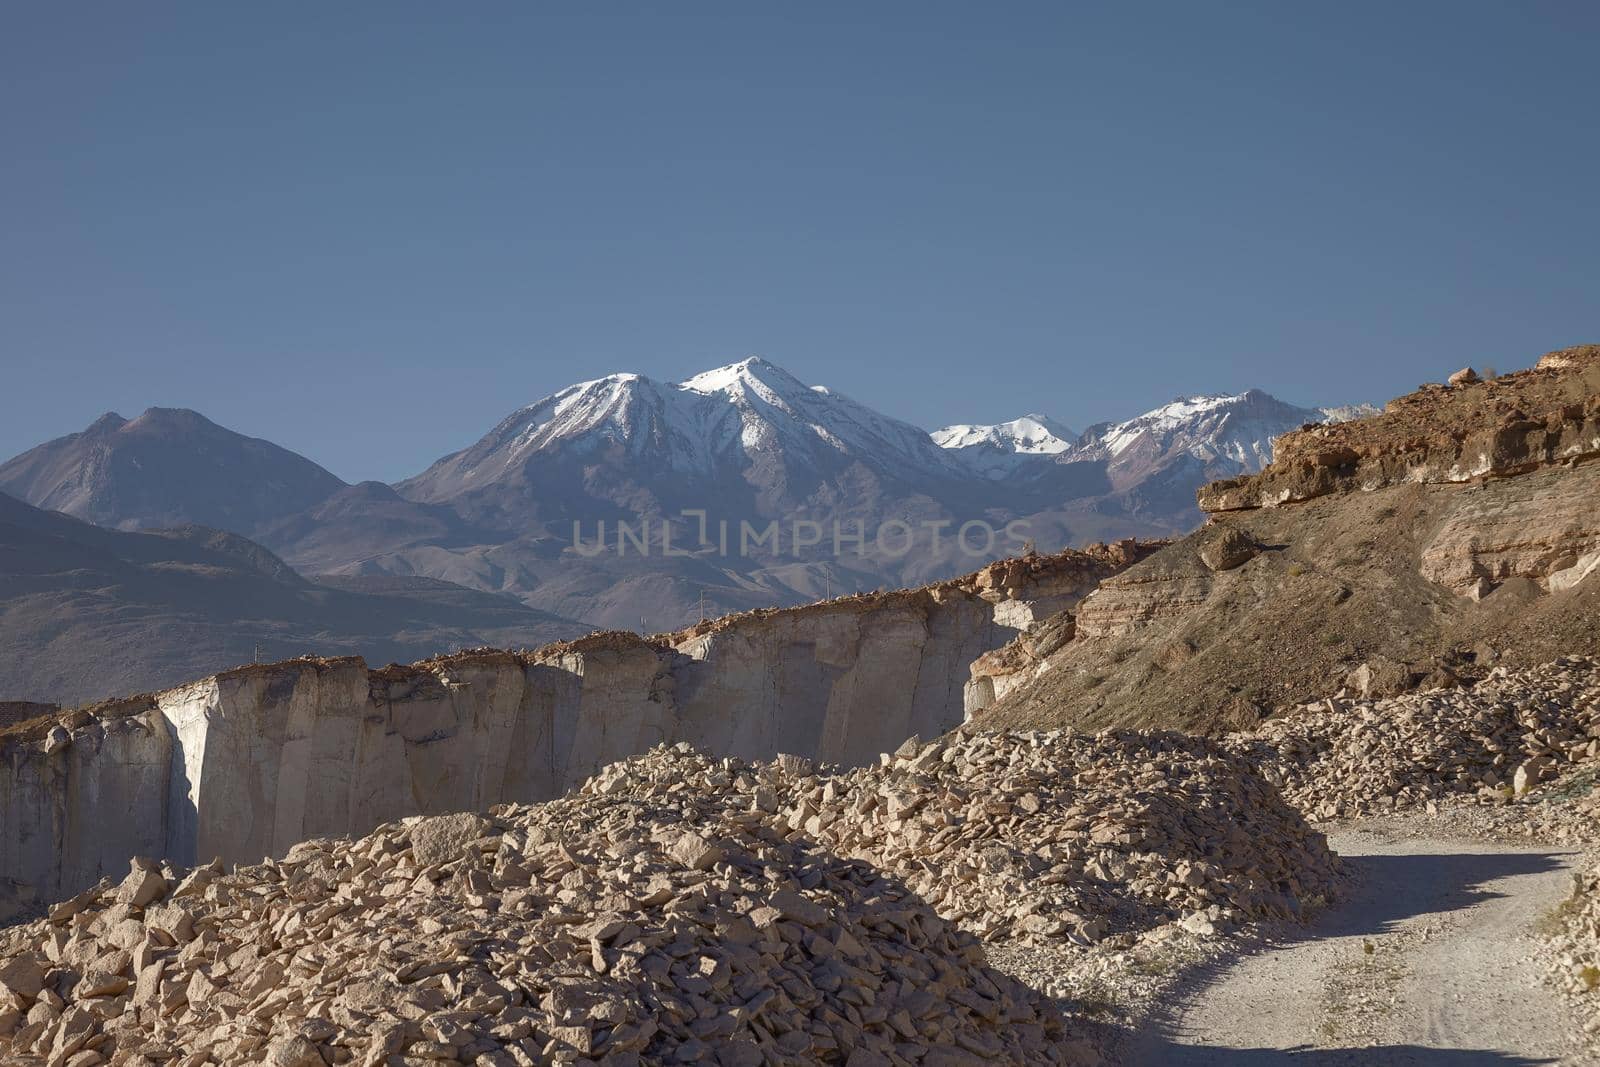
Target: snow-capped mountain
(1226,434)
(1148,466)
(748,441)
(750,425)
(996,451)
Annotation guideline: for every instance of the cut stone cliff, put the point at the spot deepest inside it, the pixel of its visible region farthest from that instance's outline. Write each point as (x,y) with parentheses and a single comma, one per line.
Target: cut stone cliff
(249,762)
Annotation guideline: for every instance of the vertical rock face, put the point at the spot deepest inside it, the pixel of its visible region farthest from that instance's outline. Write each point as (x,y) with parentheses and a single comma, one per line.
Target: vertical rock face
(839,686)
(247,763)
(74,811)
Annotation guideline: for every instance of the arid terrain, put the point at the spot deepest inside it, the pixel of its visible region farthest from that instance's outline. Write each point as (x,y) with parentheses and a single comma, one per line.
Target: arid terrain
(1314,784)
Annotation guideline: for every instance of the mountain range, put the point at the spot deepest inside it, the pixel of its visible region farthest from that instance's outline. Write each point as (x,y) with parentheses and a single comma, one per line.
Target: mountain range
(87,612)
(631,503)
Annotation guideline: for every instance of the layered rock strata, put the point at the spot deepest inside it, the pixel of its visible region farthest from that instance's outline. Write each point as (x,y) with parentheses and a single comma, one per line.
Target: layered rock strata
(1473,430)
(1545,529)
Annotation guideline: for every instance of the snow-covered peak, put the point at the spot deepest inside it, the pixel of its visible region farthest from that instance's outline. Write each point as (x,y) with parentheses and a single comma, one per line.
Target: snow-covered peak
(1227,432)
(1033,434)
(997,450)
(1183,416)
(712,425)
(754,373)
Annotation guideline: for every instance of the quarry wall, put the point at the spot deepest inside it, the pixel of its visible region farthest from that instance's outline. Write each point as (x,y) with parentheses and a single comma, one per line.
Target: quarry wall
(244,764)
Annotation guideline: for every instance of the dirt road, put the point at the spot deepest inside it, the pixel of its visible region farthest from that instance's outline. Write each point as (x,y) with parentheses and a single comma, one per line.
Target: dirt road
(1425,962)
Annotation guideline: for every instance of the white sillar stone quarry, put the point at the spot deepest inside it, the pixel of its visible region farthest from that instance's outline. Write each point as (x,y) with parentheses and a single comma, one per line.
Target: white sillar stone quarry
(247,763)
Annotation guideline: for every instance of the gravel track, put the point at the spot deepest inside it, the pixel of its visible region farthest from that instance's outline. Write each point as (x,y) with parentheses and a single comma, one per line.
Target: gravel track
(1428,960)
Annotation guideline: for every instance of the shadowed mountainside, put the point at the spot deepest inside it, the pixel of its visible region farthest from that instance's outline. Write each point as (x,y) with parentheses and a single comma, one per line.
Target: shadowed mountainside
(87,612)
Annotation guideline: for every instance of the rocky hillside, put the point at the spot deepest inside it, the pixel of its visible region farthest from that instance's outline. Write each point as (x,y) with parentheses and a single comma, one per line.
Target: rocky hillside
(1467,431)
(1453,533)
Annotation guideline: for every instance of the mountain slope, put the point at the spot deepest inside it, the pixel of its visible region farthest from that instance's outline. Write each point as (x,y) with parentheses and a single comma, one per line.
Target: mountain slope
(360,522)
(87,612)
(168,467)
(1151,464)
(1225,433)
(749,433)
(518,511)
(1452,533)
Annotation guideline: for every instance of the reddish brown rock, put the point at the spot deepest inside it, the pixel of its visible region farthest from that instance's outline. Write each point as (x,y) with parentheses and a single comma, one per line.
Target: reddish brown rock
(1476,429)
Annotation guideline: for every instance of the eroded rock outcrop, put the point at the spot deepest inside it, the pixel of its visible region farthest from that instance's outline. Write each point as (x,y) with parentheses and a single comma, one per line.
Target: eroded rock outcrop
(1456,531)
(1543,529)
(247,763)
(1153,595)
(994,674)
(1468,431)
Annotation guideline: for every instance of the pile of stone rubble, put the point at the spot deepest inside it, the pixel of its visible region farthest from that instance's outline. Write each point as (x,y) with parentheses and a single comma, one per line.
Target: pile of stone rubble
(1574,950)
(677,909)
(682,909)
(1040,835)
(1493,742)
(595,929)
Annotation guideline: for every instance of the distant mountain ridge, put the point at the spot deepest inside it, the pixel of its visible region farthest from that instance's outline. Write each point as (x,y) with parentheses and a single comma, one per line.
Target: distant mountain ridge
(168,467)
(88,612)
(1227,433)
(687,462)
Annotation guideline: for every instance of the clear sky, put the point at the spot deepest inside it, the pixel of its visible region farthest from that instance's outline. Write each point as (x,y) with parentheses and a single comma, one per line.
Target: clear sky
(368,231)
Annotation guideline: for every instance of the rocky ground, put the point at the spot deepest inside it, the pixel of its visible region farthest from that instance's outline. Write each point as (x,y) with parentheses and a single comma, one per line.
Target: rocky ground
(1497,740)
(1022,897)
(675,908)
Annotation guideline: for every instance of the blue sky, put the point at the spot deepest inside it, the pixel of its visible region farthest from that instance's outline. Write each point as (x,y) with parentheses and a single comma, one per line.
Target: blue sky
(368,231)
